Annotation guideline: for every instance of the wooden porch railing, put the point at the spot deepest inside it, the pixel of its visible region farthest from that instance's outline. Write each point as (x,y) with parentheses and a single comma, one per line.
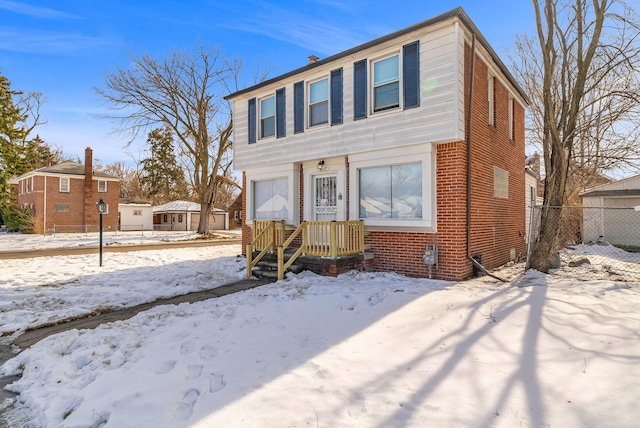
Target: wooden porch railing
(334,238)
(267,235)
(319,238)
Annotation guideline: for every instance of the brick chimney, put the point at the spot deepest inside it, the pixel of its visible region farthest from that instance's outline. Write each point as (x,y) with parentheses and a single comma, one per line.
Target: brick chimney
(90,216)
(313,59)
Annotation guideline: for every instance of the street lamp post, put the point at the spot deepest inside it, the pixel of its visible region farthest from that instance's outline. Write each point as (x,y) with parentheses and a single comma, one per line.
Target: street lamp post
(101,207)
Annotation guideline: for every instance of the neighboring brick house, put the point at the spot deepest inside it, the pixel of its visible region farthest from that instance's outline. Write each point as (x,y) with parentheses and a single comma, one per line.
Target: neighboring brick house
(64,196)
(235,213)
(384,132)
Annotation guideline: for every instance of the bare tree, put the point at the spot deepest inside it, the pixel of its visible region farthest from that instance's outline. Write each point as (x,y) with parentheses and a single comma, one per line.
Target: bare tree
(184,92)
(583,96)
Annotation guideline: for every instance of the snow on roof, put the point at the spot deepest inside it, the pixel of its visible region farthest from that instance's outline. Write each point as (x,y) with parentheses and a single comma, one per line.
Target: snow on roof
(183,206)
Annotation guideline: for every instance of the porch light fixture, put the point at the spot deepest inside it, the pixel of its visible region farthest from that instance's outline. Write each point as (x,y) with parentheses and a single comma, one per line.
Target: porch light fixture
(101,207)
(320,165)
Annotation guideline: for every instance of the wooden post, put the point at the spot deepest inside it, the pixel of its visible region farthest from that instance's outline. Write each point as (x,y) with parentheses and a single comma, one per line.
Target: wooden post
(333,241)
(280,262)
(304,239)
(249,261)
(361,236)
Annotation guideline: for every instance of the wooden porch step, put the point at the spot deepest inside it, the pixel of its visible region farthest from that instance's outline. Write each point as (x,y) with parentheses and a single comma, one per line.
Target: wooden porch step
(273,266)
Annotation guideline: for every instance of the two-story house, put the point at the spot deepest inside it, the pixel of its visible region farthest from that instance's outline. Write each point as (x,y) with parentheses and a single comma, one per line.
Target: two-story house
(63,197)
(418,134)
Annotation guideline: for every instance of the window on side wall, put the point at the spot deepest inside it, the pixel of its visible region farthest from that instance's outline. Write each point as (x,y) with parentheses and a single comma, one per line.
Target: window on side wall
(64,185)
(319,102)
(386,84)
(391,192)
(61,208)
(512,135)
(102,186)
(500,183)
(491,99)
(268,117)
(271,199)
(137,212)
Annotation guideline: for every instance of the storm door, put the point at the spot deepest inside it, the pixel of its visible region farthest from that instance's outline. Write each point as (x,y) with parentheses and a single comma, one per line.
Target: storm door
(326,200)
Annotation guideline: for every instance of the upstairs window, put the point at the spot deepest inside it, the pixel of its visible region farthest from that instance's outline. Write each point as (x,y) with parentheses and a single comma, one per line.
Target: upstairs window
(512,135)
(102,186)
(64,185)
(386,84)
(268,117)
(319,102)
(491,99)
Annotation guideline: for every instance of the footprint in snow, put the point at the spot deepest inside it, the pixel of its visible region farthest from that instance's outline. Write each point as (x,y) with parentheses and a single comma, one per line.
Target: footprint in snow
(216,382)
(184,408)
(193,371)
(208,352)
(166,367)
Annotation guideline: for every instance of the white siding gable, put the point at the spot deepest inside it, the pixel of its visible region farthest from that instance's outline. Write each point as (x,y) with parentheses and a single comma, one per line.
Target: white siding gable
(439,118)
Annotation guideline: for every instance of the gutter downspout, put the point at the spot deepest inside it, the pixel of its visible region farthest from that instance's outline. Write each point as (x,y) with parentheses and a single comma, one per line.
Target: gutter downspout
(468,132)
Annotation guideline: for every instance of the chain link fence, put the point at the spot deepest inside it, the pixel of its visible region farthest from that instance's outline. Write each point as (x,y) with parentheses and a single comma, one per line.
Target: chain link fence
(592,242)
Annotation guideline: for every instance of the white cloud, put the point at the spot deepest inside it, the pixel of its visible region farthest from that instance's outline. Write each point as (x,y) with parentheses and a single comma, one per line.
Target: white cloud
(35,11)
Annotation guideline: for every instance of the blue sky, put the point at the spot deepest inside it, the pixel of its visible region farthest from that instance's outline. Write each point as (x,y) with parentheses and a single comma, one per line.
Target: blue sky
(65,48)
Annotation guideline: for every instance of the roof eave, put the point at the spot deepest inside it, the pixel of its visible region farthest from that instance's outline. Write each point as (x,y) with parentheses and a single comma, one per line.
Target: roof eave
(453,13)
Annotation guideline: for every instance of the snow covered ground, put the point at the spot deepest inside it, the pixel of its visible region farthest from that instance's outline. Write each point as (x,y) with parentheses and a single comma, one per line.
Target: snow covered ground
(20,242)
(360,350)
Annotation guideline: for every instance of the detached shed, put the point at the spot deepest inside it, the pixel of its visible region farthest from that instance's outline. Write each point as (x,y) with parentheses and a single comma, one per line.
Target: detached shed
(135,216)
(185,216)
(614,220)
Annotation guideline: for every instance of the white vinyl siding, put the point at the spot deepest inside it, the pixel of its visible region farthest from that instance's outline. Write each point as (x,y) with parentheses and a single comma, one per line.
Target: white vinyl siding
(439,118)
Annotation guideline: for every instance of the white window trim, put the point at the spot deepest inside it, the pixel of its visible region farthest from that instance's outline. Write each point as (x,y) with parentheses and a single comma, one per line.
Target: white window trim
(289,171)
(371,76)
(404,155)
(105,186)
(275,116)
(491,100)
(308,102)
(68,181)
(511,118)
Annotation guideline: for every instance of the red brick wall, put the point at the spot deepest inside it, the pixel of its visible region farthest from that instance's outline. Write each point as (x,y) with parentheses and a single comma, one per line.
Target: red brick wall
(497,224)
(76,201)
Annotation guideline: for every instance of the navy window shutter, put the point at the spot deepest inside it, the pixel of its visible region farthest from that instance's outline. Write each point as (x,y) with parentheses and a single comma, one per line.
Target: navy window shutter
(281,123)
(252,120)
(360,89)
(411,74)
(336,96)
(298,107)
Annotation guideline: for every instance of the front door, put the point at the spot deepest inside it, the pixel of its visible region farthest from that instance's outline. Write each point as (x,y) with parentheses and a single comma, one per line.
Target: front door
(326,200)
